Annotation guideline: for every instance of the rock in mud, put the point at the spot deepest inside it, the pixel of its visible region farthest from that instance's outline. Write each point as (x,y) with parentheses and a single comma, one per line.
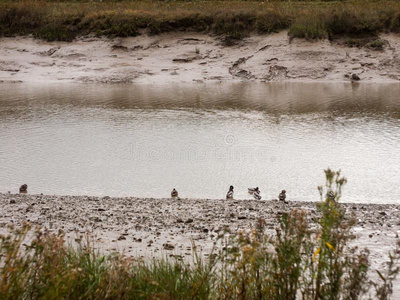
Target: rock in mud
(168,246)
(186,58)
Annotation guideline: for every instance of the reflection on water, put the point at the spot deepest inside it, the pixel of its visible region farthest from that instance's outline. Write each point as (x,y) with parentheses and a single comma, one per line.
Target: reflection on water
(127,140)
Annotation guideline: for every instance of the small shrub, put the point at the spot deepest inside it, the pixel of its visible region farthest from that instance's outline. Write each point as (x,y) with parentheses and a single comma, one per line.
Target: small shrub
(369,42)
(376,44)
(355,42)
(55,32)
(20,19)
(308,27)
(395,23)
(233,27)
(272,21)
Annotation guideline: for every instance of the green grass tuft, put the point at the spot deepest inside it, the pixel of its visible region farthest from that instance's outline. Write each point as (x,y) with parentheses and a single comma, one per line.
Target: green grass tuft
(309,28)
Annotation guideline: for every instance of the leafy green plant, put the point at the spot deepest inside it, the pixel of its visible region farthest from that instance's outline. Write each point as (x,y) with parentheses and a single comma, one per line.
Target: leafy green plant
(384,288)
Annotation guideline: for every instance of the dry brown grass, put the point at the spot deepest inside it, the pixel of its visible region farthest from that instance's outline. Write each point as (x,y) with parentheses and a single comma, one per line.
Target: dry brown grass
(234,19)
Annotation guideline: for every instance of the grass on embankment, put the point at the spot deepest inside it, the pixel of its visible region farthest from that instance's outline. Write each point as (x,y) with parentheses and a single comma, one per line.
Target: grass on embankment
(233,19)
(300,261)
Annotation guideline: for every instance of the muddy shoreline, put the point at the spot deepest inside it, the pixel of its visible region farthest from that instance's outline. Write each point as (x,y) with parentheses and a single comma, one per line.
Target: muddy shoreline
(136,225)
(153,228)
(193,57)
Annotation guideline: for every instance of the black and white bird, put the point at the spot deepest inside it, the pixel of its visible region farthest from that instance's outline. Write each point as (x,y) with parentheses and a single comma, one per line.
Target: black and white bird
(253,190)
(229,195)
(257,195)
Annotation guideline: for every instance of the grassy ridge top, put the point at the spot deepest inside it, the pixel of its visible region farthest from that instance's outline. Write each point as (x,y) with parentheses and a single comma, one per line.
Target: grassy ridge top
(187,1)
(235,19)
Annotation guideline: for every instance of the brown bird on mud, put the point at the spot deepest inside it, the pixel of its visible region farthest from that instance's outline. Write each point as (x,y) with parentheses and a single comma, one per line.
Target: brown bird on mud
(282,196)
(174,193)
(23,189)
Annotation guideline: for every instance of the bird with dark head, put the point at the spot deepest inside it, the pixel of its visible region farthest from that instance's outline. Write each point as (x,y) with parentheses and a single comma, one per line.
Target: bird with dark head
(229,195)
(253,190)
(257,195)
(282,196)
(174,193)
(23,189)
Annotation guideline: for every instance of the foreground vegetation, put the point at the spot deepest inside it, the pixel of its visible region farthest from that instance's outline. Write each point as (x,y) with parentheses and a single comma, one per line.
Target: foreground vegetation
(301,260)
(64,20)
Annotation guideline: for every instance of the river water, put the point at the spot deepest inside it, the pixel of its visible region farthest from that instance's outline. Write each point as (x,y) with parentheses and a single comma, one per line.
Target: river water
(144,140)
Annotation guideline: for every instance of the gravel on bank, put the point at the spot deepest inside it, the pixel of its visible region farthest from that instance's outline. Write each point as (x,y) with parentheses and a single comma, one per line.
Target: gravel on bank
(143,226)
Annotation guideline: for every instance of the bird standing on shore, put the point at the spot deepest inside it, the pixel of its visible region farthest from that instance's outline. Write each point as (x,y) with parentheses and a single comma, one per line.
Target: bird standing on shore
(253,190)
(174,193)
(23,189)
(229,195)
(282,196)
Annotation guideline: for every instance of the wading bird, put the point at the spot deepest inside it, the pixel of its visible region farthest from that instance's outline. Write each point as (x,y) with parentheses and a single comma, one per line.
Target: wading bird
(23,189)
(253,190)
(282,196)
(257,195)
(229,195)
(174,193)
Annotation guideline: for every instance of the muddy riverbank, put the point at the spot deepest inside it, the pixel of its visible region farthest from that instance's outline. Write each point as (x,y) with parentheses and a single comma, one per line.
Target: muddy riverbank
(143,226)
(193,57)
